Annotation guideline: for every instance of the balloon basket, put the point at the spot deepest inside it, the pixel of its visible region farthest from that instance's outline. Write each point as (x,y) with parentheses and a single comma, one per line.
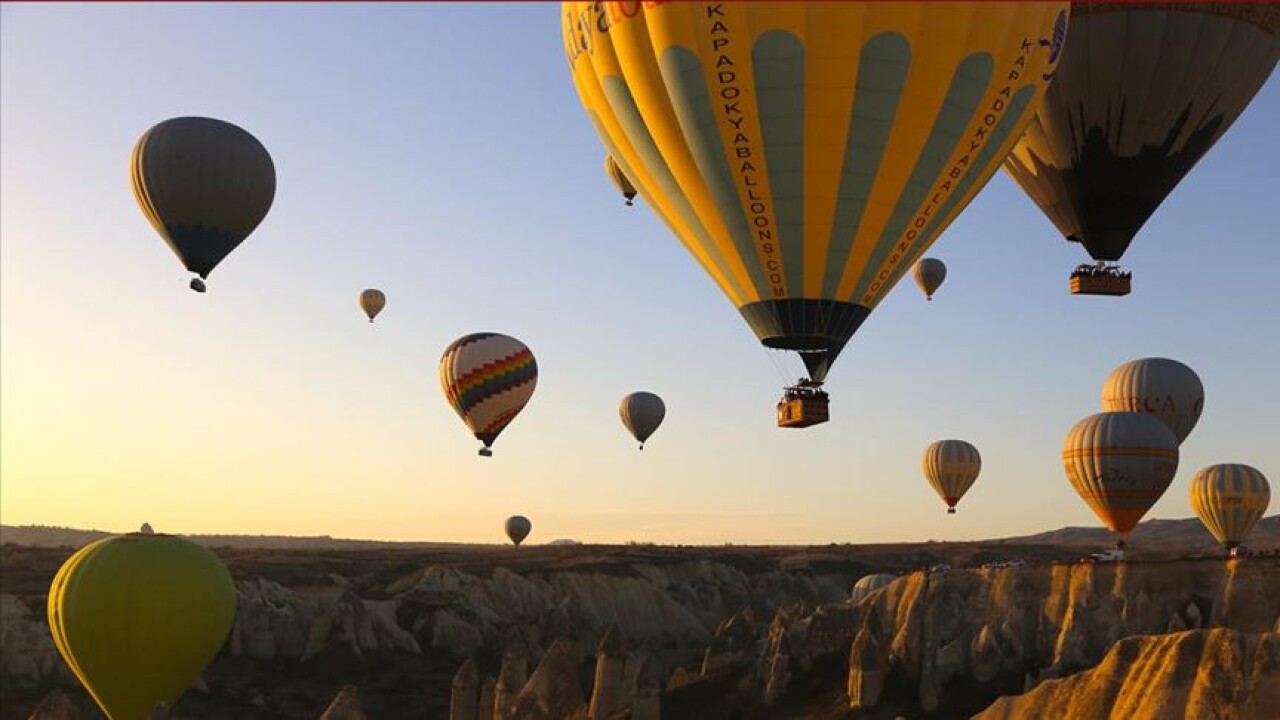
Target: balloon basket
(951,511)
(1105,282)
(198,285)
(803,407)
(485,452)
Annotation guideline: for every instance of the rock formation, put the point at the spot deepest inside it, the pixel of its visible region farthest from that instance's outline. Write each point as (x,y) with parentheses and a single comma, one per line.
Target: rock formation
(345,706)
(56,706)
(464,701)
(609,692)
(1213,674)
(553,691)
(646,704)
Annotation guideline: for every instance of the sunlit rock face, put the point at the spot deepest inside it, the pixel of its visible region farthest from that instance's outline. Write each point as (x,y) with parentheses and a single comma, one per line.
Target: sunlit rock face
(966,628)
(1215,674)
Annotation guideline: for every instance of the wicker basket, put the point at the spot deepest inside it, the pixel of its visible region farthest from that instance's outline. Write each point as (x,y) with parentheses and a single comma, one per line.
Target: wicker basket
(1099,285)
(803,411)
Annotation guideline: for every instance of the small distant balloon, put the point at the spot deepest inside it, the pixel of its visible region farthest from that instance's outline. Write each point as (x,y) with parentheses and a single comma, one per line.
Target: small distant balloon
(1163,388)
(1229,499)
(929,274)
(518,528)
(372,301)
(642,412)
(951,466)
(619,178)
(204,185)
(1120,463)
(488,378)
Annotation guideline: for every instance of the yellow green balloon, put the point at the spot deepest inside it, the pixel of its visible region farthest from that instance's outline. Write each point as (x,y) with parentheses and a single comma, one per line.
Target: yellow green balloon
(807,154)
(137,618)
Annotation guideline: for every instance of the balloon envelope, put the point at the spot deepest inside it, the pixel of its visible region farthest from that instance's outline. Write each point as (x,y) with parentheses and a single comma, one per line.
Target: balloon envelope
(619,179)
(929,274)
(488,378)
(1161,387)
(1120,463)
(868,584)
(806,154)
(518,528)
(372,301)
(1143,91)
(1229,499)
(642,413)
(951,466)
(138,617)
(204,185)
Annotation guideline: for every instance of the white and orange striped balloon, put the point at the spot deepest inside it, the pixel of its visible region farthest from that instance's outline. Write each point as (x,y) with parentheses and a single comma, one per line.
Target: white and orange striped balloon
(1229,499)
(1120,463)
(951,466)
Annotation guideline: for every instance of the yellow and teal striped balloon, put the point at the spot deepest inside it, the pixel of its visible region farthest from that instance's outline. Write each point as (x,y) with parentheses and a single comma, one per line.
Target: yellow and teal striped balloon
(488,378)
(1229,499)
(807,154)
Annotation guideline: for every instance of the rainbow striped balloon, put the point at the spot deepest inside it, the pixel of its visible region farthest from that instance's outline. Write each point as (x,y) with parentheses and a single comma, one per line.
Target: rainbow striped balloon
(488,378)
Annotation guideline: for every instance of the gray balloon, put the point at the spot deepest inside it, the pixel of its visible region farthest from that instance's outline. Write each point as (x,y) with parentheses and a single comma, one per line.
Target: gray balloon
(518,528)
(929,274)
(642,413)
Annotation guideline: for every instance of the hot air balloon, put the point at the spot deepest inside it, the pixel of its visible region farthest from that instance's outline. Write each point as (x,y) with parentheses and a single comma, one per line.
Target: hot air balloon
(807,154)
(204,185)
(518,528)
(619,179)
(1161,387)
(642,413)
(868,584)
(137,618)
(1229,499)
(951,466)
(1143,91)
(372,301)
(488,378)
(929,274)
(1120,463)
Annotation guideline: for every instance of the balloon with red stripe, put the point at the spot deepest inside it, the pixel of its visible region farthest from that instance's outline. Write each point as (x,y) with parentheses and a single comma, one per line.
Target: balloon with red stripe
(1120,463)
(488,378)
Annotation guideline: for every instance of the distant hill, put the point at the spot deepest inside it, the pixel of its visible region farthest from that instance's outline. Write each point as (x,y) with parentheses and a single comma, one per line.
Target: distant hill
(1187,534)
(51,536)
(1172,535)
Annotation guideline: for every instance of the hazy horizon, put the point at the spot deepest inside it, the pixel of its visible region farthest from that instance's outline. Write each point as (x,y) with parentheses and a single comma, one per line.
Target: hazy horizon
(439,152)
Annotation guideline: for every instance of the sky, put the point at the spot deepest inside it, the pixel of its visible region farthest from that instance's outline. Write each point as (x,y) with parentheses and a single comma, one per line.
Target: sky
(440,153)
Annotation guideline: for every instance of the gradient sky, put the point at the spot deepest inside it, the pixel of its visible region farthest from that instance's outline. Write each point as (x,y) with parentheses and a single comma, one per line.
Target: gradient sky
(439,152)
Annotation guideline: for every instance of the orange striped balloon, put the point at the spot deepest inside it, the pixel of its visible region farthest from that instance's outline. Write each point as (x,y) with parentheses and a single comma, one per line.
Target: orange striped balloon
(1120,463)
(488,378)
